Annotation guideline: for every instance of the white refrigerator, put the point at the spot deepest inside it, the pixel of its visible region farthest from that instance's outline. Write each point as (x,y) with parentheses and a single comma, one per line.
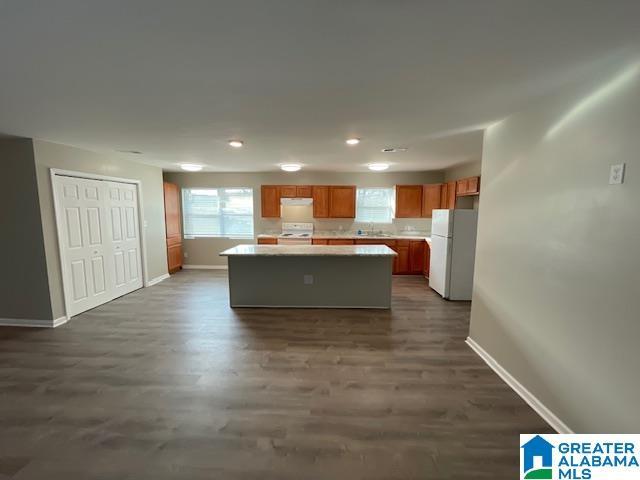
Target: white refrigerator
(453,251)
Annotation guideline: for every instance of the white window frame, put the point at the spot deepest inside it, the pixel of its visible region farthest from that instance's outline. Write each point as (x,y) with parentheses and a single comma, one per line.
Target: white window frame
(223,234)
(390,192)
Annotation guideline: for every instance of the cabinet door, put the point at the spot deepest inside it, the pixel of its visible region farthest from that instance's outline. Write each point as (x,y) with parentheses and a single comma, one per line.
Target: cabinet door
(320,201)
(473,185)
(416,256)
(267,241)
(461,187)
(340,241)
(444,195)
(172,226)
(172,209)
(342,202)
(174,258)
(303,191)
(408,201)
(403,265)
(427,259)
(430,198)
(288,191)
(451,195)
(270,201)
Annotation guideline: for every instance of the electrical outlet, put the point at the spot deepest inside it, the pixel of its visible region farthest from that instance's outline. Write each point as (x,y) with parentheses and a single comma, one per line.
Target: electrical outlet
(307,280)
(185,254)
(616,174)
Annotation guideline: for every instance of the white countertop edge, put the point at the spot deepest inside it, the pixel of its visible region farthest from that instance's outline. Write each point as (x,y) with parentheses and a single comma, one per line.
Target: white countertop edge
(308,251)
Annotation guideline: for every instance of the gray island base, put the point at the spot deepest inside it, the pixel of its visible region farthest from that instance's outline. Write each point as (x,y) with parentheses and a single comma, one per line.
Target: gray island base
(310,276)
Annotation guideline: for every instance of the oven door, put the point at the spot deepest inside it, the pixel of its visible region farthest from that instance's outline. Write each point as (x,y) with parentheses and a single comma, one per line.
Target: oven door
(294,241)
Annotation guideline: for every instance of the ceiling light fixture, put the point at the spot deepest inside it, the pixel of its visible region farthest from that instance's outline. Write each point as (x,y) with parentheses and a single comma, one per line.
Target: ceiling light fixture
(190,167)
(353,141)
(291,167)
(378,167)
(236,143)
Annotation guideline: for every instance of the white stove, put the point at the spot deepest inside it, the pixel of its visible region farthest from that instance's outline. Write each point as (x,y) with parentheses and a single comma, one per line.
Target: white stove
(296,234)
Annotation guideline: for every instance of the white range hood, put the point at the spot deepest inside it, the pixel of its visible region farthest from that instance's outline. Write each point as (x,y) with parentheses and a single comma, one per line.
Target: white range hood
(296,201)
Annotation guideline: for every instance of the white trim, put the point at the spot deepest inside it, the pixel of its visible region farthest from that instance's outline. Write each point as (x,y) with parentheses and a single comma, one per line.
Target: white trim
(156,280)
(205,267)
(60,321)
(32,323)
(546,414)
(53,172)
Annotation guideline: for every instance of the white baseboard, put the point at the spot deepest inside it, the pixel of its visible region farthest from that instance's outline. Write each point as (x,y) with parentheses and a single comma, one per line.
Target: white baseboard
(205,267)
(153,281)
(547,415)
(32,323)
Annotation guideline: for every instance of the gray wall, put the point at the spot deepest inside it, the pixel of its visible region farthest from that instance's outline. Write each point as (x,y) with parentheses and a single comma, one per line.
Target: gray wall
(462,171)
(204,251)
(24,287)
(51,155)
(557,275)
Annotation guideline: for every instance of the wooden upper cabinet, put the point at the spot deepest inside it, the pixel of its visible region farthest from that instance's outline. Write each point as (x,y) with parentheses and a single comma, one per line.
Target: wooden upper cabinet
(408,201)
(473,185)
(468,186)
(320,196)
(303,191)
(288,191)
(431,197)
(172,209)
(270,201)
(450,201)
(342,201)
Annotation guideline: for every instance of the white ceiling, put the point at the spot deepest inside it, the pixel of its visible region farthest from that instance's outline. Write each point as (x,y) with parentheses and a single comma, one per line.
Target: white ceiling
(293,78)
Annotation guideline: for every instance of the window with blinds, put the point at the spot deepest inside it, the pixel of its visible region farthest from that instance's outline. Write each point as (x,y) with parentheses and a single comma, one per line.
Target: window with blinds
(374,205)
(217,212)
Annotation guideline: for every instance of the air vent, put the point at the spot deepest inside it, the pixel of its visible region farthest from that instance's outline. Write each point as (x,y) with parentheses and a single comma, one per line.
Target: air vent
(394,149)
(132,152)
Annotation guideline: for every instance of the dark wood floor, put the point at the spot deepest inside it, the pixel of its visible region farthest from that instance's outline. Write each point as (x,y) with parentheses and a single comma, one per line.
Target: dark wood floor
(169,382)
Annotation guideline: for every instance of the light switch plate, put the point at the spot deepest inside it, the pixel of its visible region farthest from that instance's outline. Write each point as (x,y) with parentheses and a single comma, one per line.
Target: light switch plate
(308,280)
(616,174)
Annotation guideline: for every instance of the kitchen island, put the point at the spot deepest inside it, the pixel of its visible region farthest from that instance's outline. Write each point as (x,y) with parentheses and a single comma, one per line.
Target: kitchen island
(310,276)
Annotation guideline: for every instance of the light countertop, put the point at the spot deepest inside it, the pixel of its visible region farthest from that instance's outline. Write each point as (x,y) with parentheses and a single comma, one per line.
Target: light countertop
(355,236)
(309,251)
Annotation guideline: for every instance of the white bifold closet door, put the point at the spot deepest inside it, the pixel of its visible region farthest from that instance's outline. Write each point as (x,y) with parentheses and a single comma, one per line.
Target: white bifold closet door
(99,240)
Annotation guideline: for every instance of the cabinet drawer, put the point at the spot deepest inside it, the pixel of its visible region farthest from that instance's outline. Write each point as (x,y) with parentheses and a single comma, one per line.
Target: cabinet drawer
(267,241)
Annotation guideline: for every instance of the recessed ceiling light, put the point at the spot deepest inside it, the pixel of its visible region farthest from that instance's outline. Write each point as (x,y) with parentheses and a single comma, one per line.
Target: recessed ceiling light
(236,143)
(190,167)
(394,149)
(291,167)
(353,141)
(378,167)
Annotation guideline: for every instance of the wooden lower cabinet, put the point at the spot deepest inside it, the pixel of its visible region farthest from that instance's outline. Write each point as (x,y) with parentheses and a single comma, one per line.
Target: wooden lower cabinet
(340,241)
(416,257)
(403,264)
(319,241)
(267,241)
(174,258)
(427,259)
